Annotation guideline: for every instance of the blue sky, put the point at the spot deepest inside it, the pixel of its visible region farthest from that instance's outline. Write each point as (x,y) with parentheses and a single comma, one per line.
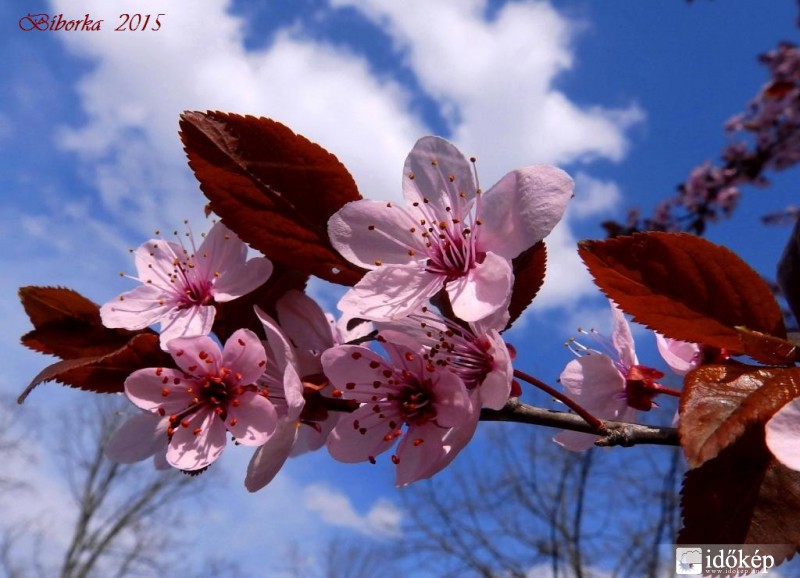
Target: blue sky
(627,96)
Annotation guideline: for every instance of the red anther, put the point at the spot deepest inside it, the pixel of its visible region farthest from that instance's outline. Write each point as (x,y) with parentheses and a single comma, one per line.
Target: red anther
(336,393)
(240,342)
(192,368)
(418,441)
(164,392)
(218,410)
(362,430)
(185,423)
(197,431)
(162,412)
(395,459)
(237,376)
(371,459)
(376,384)
(355,424)
(235,402)
(409,356)
(387,373)
(159,371)
(356,355)
(374,364)
(170,431)
(350,385)
(262,363)
(165,380)
(234,421)
(202,355)
(388,437)
(179,353)
(176,381)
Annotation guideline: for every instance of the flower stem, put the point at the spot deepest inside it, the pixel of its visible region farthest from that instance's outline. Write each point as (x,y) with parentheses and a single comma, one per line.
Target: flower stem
(597,424)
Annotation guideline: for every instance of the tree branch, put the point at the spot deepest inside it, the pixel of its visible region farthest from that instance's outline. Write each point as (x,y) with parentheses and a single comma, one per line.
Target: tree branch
(612,434)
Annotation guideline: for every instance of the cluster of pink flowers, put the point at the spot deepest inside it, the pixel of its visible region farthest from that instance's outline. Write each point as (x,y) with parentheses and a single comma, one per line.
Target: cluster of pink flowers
(771,124)
(609,381)
(408,374)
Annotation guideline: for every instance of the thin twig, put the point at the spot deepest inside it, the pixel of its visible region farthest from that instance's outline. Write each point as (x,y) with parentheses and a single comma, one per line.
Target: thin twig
(614,433)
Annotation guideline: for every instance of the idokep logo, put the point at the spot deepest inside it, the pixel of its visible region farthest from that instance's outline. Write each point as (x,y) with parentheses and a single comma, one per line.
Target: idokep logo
(721,560)
(688,561)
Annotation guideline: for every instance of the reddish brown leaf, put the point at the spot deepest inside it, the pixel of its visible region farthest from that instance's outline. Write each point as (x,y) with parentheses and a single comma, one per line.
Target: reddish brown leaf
(274,188)
(720,402)
(684,287)
(768,349)
(68,325)
(105,373)
(789,272)
(743,496)
(529,269)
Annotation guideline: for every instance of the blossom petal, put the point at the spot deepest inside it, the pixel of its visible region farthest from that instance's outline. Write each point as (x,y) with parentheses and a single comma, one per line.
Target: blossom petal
(368,233)
(197,355)
(270,457)
(188,322)
(135,309)
(484,290)
(304,321)
(783,435)
(621,337)
(441,174)
(496,386)
(280,348)
(451,400)
(350,442)
(390,292)
(522,209)
(253,421)
(420,452)
(595,382)
(192,451)
(155,262)
(146,389)
(235,282)
(140,437)
(244,355)
(357,365)
(680,356)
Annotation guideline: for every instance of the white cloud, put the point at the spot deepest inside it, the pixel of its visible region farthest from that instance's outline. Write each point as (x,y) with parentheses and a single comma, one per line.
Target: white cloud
(382,520)
(593,197)
(494,79)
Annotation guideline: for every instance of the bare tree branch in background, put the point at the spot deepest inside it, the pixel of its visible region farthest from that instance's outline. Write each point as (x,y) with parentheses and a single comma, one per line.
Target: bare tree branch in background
(544,507)
(125,515)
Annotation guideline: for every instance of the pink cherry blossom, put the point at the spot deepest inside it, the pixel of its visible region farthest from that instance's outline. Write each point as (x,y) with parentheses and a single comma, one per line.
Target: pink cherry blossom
(783,435)
(609,383)
(211,392)
(179,288)
(475,352)
(449,235)
(407,393)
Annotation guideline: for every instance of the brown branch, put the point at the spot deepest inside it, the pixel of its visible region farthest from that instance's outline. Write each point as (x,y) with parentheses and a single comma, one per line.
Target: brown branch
(613,433)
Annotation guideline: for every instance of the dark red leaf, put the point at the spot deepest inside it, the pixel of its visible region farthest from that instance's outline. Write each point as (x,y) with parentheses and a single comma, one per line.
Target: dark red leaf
(529,270)
(768,349)
(743,496)
(274,188)
(720,402)
(684,287)
(105,373)
(68,325)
